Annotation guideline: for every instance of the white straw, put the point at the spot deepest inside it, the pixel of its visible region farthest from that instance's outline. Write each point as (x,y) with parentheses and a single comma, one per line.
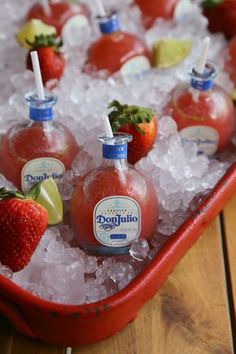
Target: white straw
(46,7)
(37,75)
(109,134)
(201,65)
(100,8)
(107,126)
(202,61)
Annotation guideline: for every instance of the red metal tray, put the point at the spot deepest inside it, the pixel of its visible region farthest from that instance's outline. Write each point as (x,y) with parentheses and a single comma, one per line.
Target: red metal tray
(72,325)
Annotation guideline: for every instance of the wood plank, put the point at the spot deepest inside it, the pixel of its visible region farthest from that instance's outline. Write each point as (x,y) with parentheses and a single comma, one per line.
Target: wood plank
(188,315)
(230,228)
(6,335)
(14,343)
(229,215)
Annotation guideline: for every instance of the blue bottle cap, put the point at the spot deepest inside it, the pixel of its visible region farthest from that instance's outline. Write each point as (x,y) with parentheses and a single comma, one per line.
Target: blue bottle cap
(40,110)
(204,81)
(114,152)
(110,23)
(115,148)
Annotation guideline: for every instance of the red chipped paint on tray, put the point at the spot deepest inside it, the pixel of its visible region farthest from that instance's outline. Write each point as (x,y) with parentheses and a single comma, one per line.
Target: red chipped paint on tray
(74,325)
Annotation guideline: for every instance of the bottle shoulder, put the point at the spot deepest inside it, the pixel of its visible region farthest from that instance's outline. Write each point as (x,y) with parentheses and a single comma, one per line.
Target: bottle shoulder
(107,181)
(212,104)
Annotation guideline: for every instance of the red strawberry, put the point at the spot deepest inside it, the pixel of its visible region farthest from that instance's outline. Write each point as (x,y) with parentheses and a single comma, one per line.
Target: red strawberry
(22,224)
(221,15)
(140,122)
(52,62)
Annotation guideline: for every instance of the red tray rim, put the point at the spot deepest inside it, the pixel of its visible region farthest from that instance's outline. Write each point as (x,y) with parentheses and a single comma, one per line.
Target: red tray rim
(226,185)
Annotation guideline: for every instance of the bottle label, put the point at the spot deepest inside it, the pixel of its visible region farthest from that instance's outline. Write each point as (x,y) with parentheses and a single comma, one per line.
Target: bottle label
(206,138)
(136,65)
(182,8)
(74,24)
(38,170)
(116,221)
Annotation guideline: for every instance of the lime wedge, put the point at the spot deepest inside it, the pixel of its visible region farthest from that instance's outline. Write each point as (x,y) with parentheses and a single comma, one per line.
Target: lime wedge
(49,197)
(31,29)
(234,95)
(170,51)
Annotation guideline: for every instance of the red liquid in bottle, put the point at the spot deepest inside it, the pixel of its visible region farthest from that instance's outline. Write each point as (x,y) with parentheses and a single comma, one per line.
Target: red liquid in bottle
(36,150)
(153,9)
(116,50)
(111,195)
(205,116)
(61,13)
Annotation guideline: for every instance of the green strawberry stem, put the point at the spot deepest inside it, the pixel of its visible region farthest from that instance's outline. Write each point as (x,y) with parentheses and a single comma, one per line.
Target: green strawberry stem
(32,194)
(211,3)
(125,114)
(5,194)
(46,41)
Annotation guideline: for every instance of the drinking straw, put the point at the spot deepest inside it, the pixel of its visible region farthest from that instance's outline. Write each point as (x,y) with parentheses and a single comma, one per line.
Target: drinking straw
(37,75)
(46,7)
(107,126)
(100,8)
(203,58)
(201,65)
(109,134)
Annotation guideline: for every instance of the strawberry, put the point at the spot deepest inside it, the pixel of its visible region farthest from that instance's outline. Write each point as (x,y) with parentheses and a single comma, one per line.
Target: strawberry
(140,122)
(52,62)
(221,15)
(22,224)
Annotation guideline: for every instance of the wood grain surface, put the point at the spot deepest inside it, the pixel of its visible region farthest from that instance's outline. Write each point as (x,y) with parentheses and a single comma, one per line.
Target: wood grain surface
(230,238)
(189,315)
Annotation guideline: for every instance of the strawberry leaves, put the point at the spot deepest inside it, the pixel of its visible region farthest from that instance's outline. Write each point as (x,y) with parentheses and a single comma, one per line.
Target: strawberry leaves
(32,194)
(211,3)
(44,41)
(123,114)
(5,194)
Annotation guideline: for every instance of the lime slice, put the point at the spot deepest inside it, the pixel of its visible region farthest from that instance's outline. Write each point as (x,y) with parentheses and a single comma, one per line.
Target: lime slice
(234,95)
(31,29)
(170,51)
(50,198)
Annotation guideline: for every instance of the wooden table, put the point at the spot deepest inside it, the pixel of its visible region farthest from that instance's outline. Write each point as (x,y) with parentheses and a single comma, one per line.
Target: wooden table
(193,313)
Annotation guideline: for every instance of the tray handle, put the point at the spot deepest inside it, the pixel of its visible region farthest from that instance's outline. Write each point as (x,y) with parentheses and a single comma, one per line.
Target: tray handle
(14,315)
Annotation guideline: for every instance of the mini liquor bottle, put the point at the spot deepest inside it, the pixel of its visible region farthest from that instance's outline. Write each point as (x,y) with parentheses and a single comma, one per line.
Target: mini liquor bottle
(116,50)
(60,14)
(114,204)
(38,149)
(203,111)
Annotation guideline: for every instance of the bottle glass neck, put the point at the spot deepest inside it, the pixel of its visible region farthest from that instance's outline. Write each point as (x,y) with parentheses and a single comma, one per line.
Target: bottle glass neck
(115,149)
(40,110)
(203,81)
(109,24)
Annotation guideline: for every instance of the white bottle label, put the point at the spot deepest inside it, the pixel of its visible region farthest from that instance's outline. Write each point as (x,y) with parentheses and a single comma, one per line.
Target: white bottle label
(74,24)
(135,65)
(206,138)
(116,221)
(182,8)
(38,170)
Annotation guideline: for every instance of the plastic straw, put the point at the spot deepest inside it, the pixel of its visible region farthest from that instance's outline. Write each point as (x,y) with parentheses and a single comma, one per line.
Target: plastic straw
(202,61)
(46,7)
(201,65)
(109,134)
(37,75)
(100,8)
(107,126)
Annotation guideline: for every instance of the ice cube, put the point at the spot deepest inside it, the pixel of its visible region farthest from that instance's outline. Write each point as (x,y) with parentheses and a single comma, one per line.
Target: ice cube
(6,271)
(139,249)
